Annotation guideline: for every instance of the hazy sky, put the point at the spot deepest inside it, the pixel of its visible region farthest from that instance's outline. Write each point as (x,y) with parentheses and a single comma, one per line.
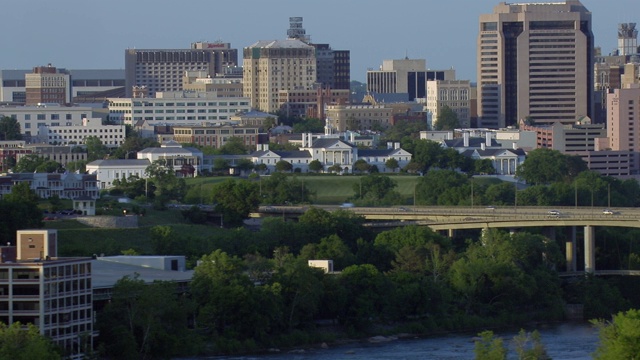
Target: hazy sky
(92,34)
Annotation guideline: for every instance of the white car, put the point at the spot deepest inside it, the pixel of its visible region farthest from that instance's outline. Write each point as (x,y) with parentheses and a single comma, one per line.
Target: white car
(553,213)
(607,212)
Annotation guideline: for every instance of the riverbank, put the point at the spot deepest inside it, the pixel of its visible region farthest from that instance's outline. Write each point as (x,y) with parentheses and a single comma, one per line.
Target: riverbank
(388,336)
(566,340)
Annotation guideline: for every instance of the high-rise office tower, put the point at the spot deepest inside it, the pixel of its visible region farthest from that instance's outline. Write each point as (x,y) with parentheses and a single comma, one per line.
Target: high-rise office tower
(405,76)
(333,66)
(627,39)
(161,70)
(271,66)
(535,61)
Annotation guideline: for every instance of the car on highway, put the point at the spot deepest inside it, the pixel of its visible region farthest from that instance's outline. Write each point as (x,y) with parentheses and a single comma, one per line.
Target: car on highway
(347,205)
(490,207)
(553,213)
(607,212)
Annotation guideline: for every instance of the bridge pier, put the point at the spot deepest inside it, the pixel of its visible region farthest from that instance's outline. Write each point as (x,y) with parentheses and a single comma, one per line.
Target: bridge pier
(451,233)
(589,250)
(571,253)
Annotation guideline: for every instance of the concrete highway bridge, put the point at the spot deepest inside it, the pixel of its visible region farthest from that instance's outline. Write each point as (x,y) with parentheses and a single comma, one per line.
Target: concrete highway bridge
(449,219)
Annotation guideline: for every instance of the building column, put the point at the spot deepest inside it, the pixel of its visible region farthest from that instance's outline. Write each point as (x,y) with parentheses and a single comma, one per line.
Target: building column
(589,250)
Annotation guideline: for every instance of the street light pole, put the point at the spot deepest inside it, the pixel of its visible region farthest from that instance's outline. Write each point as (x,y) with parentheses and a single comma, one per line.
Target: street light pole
(472,192)
(515,203)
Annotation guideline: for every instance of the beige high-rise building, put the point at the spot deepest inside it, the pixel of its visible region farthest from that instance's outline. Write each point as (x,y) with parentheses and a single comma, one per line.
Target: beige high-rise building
(271,66)
(535,60)
(49,85)
(623,122)
(451,93)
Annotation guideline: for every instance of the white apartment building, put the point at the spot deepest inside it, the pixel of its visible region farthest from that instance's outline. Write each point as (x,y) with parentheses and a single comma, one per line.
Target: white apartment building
(451,93)
(176,108)
(106,171)
(273,65)
(109,135)
(31,118)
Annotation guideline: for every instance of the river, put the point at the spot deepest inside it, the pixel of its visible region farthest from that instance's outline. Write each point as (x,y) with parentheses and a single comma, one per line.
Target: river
(567,341)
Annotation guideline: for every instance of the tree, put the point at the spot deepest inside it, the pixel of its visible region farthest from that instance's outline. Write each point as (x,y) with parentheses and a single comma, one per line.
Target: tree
(167,185)
(335,168)
(233,146)
(316,166)
(442,187)
(426,154)
(49,166)
(312,125)
(361,166)
(529,346)
(392,164)
(79,166)
(95,149)
(283,166)
(269,123)
(220,164)
(366,299)
(490,347)
(235,200)
(20,344)
(447,119)
(376,190)
(244,165)
(132,144)
(145,321)
(279,188)
(544,166)
(19,210)
(28,163)
(231,306)
(619,338)
(9,129)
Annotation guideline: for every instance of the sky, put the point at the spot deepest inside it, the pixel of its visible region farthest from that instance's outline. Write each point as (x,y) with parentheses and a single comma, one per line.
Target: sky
(92,34)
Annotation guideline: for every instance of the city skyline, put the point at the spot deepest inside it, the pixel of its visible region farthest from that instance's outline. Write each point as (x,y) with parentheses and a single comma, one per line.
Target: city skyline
(76,34)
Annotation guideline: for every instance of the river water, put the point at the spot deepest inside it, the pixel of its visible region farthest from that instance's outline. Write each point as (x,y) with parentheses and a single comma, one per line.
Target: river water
(568,341)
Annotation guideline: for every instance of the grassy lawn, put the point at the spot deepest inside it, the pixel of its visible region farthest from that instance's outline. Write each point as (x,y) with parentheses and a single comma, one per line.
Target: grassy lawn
(76,239)
(329,189)
(337,189)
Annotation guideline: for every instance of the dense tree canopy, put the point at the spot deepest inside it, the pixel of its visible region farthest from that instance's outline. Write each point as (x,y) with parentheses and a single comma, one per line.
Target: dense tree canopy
(96,150)
(233,146)
(235,199)
(306,125)
(278,188)
(447,119)
(164,183)
(19,210)
(376,190)
(545,166)
(19,344)
(132,144)
(146,321)
(10,129)
(620,338)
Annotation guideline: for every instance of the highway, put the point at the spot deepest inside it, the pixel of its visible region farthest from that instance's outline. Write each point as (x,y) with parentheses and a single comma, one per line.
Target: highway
(461,214)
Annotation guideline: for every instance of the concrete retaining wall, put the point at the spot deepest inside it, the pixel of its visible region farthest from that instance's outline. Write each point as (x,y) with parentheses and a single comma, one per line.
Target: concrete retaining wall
(112,222)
